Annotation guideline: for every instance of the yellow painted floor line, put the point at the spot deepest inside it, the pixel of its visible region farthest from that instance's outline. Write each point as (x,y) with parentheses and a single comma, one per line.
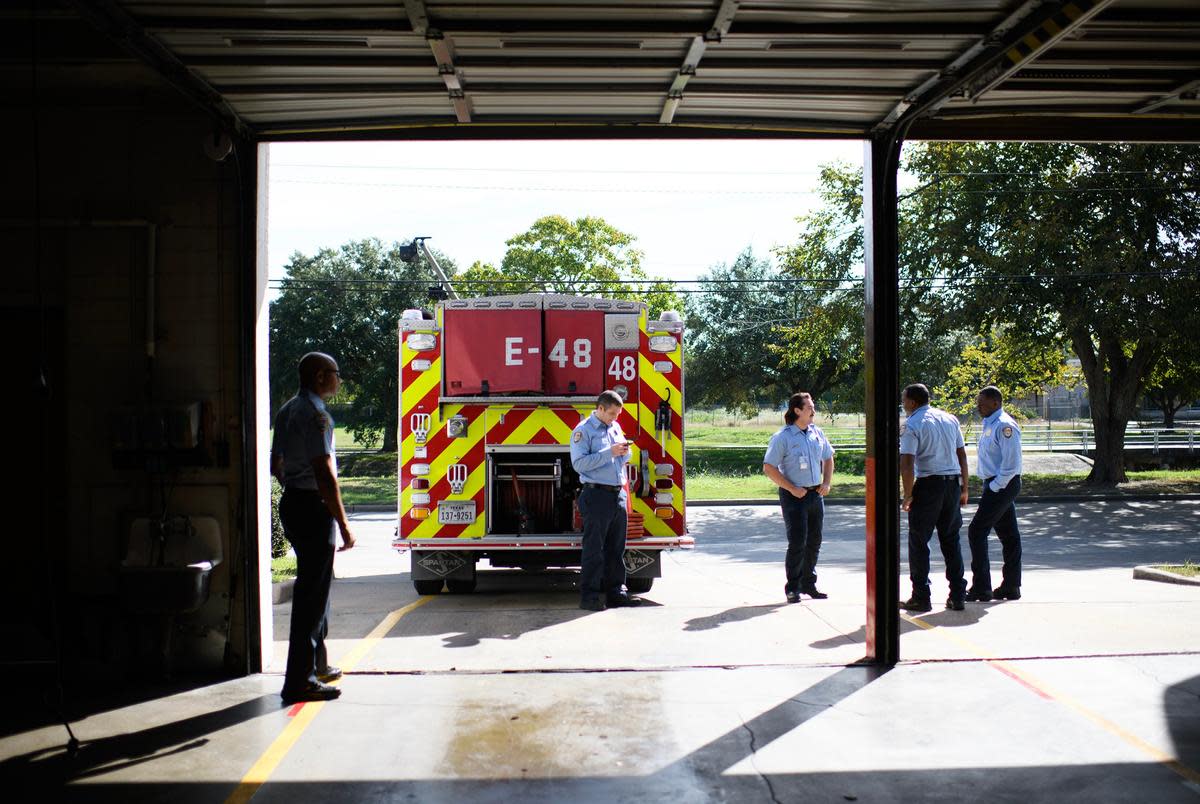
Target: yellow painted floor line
(258,774)
(1040,688)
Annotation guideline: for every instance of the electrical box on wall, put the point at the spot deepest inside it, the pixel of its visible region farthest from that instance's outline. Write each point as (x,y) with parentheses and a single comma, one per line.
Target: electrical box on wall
(161,437)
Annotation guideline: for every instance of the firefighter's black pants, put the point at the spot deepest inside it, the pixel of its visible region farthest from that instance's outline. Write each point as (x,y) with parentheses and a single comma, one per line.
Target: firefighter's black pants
(935,505)
(996,510)
(309,526)
(602,571)
(803,518)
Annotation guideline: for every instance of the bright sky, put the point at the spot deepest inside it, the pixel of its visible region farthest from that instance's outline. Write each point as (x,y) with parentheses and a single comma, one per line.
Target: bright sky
(690,204)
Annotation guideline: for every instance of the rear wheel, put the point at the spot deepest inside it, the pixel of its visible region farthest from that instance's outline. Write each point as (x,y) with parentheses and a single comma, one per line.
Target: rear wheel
(639,586)
(457,586)
(428,587)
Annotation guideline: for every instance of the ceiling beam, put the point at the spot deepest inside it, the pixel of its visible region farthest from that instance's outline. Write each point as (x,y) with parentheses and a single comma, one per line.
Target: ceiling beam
(1023,36)
(1188,91)
(691,61)
(443,52)
(608,64)
(672,27)
(114,22)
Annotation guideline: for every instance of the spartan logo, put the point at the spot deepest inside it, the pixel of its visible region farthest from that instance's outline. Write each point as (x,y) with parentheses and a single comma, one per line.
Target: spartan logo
(419,422)
(457,475)
(636,560)
(441,564)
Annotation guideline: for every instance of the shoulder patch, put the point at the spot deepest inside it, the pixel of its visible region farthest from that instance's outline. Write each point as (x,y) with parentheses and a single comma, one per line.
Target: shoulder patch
(577,436)
(1007,432)
(321,421)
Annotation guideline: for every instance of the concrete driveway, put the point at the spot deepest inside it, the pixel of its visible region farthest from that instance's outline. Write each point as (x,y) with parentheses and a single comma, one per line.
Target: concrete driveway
(1087,689)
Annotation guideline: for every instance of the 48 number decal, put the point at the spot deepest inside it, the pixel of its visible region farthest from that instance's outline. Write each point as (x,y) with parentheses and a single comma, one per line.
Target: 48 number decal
(581,353)
(623,368)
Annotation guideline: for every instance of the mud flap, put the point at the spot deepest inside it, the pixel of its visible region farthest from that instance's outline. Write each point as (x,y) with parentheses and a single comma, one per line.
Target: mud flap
(643,563)
(432,565)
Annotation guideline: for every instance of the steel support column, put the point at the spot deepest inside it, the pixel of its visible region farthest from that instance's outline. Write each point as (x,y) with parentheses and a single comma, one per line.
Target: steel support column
(881,281)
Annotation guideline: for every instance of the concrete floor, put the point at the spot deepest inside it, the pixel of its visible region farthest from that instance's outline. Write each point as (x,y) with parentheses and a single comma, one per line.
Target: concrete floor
(1087,689)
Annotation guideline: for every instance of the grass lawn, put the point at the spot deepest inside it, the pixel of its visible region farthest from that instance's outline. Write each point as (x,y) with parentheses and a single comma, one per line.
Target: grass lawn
(1187,569)
(368,490)
(283,568)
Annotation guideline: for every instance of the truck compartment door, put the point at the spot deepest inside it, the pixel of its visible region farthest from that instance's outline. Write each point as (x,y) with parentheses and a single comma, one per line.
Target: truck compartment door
(574,352)
(492,352)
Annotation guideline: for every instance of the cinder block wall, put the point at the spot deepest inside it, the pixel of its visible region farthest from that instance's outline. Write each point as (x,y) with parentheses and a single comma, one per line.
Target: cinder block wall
(104,163)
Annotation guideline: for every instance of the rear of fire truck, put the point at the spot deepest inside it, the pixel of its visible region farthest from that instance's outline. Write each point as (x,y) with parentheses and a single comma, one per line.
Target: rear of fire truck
(490,390)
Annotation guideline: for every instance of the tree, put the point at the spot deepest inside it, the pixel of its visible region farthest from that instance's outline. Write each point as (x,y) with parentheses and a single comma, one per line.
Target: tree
(825,338)
(1175,381)
(347,302)
(1095,244)
(821,346)
(586,257)
(1015,365)
(731,324)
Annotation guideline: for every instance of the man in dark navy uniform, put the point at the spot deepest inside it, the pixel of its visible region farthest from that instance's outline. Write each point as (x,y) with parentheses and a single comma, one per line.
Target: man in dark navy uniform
(933,473)
(303,460)
(599,453)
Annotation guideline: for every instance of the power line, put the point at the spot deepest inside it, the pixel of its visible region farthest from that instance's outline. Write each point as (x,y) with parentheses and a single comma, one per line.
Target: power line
(515,189)
(554,171)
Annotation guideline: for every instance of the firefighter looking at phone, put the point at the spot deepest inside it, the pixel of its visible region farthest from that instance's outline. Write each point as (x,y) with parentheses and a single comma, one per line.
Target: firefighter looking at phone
(599,452)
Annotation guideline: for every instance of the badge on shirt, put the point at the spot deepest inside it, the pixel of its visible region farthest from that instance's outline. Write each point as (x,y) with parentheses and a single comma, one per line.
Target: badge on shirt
(577,437)
(1007,432)
(321,421)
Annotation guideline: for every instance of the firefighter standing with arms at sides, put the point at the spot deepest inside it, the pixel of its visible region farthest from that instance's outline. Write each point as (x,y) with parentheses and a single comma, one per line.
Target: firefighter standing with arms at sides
(932,449)
(303,460)
(1000,468)
(799,460)
(599,452)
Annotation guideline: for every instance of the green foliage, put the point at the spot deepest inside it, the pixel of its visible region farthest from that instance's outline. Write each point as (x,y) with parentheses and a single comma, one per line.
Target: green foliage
(1098,245)
(1019,367)
(729,329)
(1175,380)
(585,257)
(279,544)
(821,346)
(347,302)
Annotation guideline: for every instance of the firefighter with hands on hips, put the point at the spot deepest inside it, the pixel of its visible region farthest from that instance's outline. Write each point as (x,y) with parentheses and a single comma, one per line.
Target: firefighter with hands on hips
(1000,468)
(932,449)
(303,460)
(799,460)
(599,452)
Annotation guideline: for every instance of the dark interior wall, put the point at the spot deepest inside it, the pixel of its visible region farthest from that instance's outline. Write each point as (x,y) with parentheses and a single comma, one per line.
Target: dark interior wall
(91,172)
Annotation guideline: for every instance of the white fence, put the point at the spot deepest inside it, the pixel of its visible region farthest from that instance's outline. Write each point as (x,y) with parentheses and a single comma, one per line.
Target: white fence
(1034,439)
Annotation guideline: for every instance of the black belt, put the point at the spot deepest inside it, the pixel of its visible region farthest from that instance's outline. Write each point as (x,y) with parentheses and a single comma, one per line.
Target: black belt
(940,477)
(614,489)
(813,488)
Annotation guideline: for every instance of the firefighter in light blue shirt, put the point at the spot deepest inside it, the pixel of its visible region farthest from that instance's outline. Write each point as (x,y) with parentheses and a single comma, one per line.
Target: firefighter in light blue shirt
(599,452)
(933,473)
(1000,468)
(799,460)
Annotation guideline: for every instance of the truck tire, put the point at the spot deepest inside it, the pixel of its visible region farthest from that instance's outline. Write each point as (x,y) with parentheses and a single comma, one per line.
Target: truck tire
(428,587)
(639,586)
(460,586)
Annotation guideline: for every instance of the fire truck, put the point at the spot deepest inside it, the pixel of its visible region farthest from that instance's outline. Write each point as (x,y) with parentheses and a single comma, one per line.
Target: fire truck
(490,391)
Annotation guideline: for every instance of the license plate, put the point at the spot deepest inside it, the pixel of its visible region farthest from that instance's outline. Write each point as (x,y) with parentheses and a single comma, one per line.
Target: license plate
(456,512)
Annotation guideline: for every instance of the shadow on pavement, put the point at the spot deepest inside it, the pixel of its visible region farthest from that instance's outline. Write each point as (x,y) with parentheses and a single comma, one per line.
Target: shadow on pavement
(735,615)
(53,766)
(1181,705)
